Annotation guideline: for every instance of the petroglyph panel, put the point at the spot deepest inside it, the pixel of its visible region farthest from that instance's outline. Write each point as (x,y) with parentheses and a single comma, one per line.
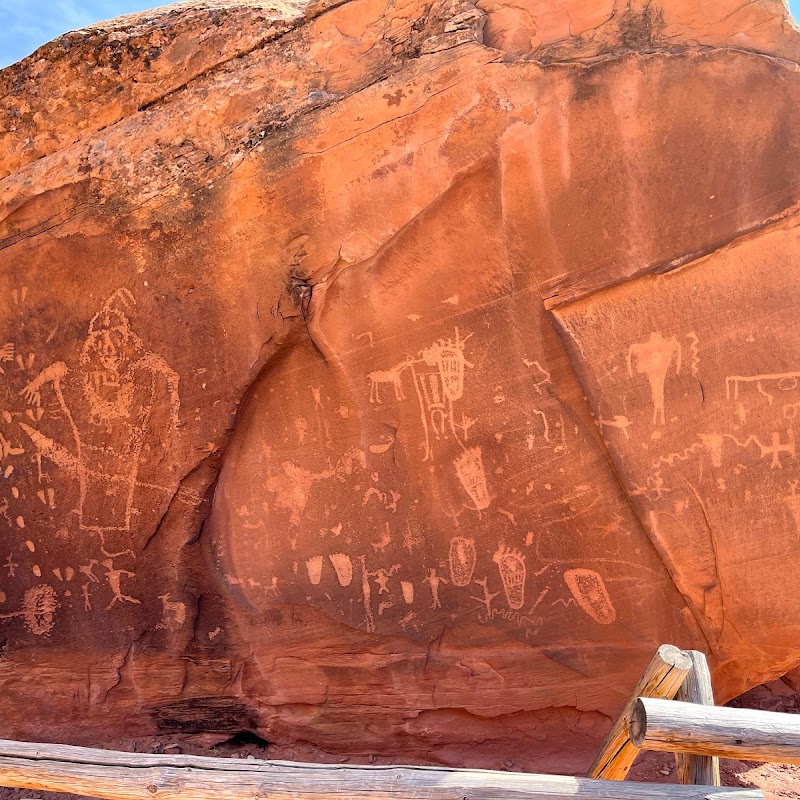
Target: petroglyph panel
(708,453)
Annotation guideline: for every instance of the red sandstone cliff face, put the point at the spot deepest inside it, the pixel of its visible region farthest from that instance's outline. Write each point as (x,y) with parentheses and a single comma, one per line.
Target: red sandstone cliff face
(394,378)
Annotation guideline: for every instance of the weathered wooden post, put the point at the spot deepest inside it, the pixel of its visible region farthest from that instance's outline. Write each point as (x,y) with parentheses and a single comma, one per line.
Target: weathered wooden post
(696,688)
(662,678)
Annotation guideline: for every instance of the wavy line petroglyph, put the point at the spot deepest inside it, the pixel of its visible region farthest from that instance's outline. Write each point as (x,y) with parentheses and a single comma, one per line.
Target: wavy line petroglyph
(113,394)
(653,359)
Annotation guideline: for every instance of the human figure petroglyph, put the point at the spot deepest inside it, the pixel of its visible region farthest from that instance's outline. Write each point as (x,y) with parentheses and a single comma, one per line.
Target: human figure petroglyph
(471,473)
(39,605)
(343,566)
(87,599)
(462,560)
(382,578)
(653,359)
(511,564)
(434,581)
(114,578)
(120,396)
(392,376)
(11,566)
(591,595)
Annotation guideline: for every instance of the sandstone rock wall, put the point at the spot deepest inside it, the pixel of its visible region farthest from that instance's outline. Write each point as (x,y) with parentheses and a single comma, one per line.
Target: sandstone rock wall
(393,378)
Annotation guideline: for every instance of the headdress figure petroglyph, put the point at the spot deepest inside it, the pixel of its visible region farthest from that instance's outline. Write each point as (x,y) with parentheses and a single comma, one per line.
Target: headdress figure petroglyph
(653,359)
(120,395)
(591,595)
(462,560)
(511,564)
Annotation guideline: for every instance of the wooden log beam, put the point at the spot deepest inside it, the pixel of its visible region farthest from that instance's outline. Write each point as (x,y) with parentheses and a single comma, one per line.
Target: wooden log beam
(662,678)
(697,770)
(133,776)
(671,726)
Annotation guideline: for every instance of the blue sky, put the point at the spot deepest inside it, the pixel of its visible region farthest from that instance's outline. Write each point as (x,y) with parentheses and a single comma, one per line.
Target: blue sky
(26,24)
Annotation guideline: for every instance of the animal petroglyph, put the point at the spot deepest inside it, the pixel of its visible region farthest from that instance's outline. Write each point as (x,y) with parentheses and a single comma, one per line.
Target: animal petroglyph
(653,359)
(343,566)
(511,564)
(392,376)
(173,613)
(462,560)
(38,610)
(591,595)
(470,471)
(314,569)
(293,486)
(119,396)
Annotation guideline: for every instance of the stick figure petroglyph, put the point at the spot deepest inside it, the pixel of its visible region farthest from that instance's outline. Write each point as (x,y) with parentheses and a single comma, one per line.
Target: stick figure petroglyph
(653,359)
(120,396)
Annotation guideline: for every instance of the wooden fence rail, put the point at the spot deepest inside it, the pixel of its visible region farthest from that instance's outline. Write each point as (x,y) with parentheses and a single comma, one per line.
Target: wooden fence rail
(671,726)
(133,776)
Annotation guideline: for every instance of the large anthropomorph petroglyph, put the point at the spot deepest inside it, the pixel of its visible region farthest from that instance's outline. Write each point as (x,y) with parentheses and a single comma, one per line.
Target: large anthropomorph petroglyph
(111,401)
(381,378)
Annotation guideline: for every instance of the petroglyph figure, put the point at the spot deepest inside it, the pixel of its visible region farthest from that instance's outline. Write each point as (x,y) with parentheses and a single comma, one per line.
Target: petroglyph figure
(448,356)
(293,486)
(174,613)
(391,376)
(407,589)
(433,580)
(782,382)
(314,568)
(470,471)
(462,560)
(114,577)
(120,398)
(488,597)
(591,595)
(653,359)
(343,566)
(38,610)
(511,564)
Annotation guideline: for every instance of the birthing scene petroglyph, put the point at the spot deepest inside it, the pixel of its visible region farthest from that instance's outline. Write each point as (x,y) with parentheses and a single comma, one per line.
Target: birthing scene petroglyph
(386,382)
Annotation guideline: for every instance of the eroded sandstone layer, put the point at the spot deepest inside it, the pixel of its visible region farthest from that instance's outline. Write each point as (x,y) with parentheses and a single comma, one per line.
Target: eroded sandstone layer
(394,378)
